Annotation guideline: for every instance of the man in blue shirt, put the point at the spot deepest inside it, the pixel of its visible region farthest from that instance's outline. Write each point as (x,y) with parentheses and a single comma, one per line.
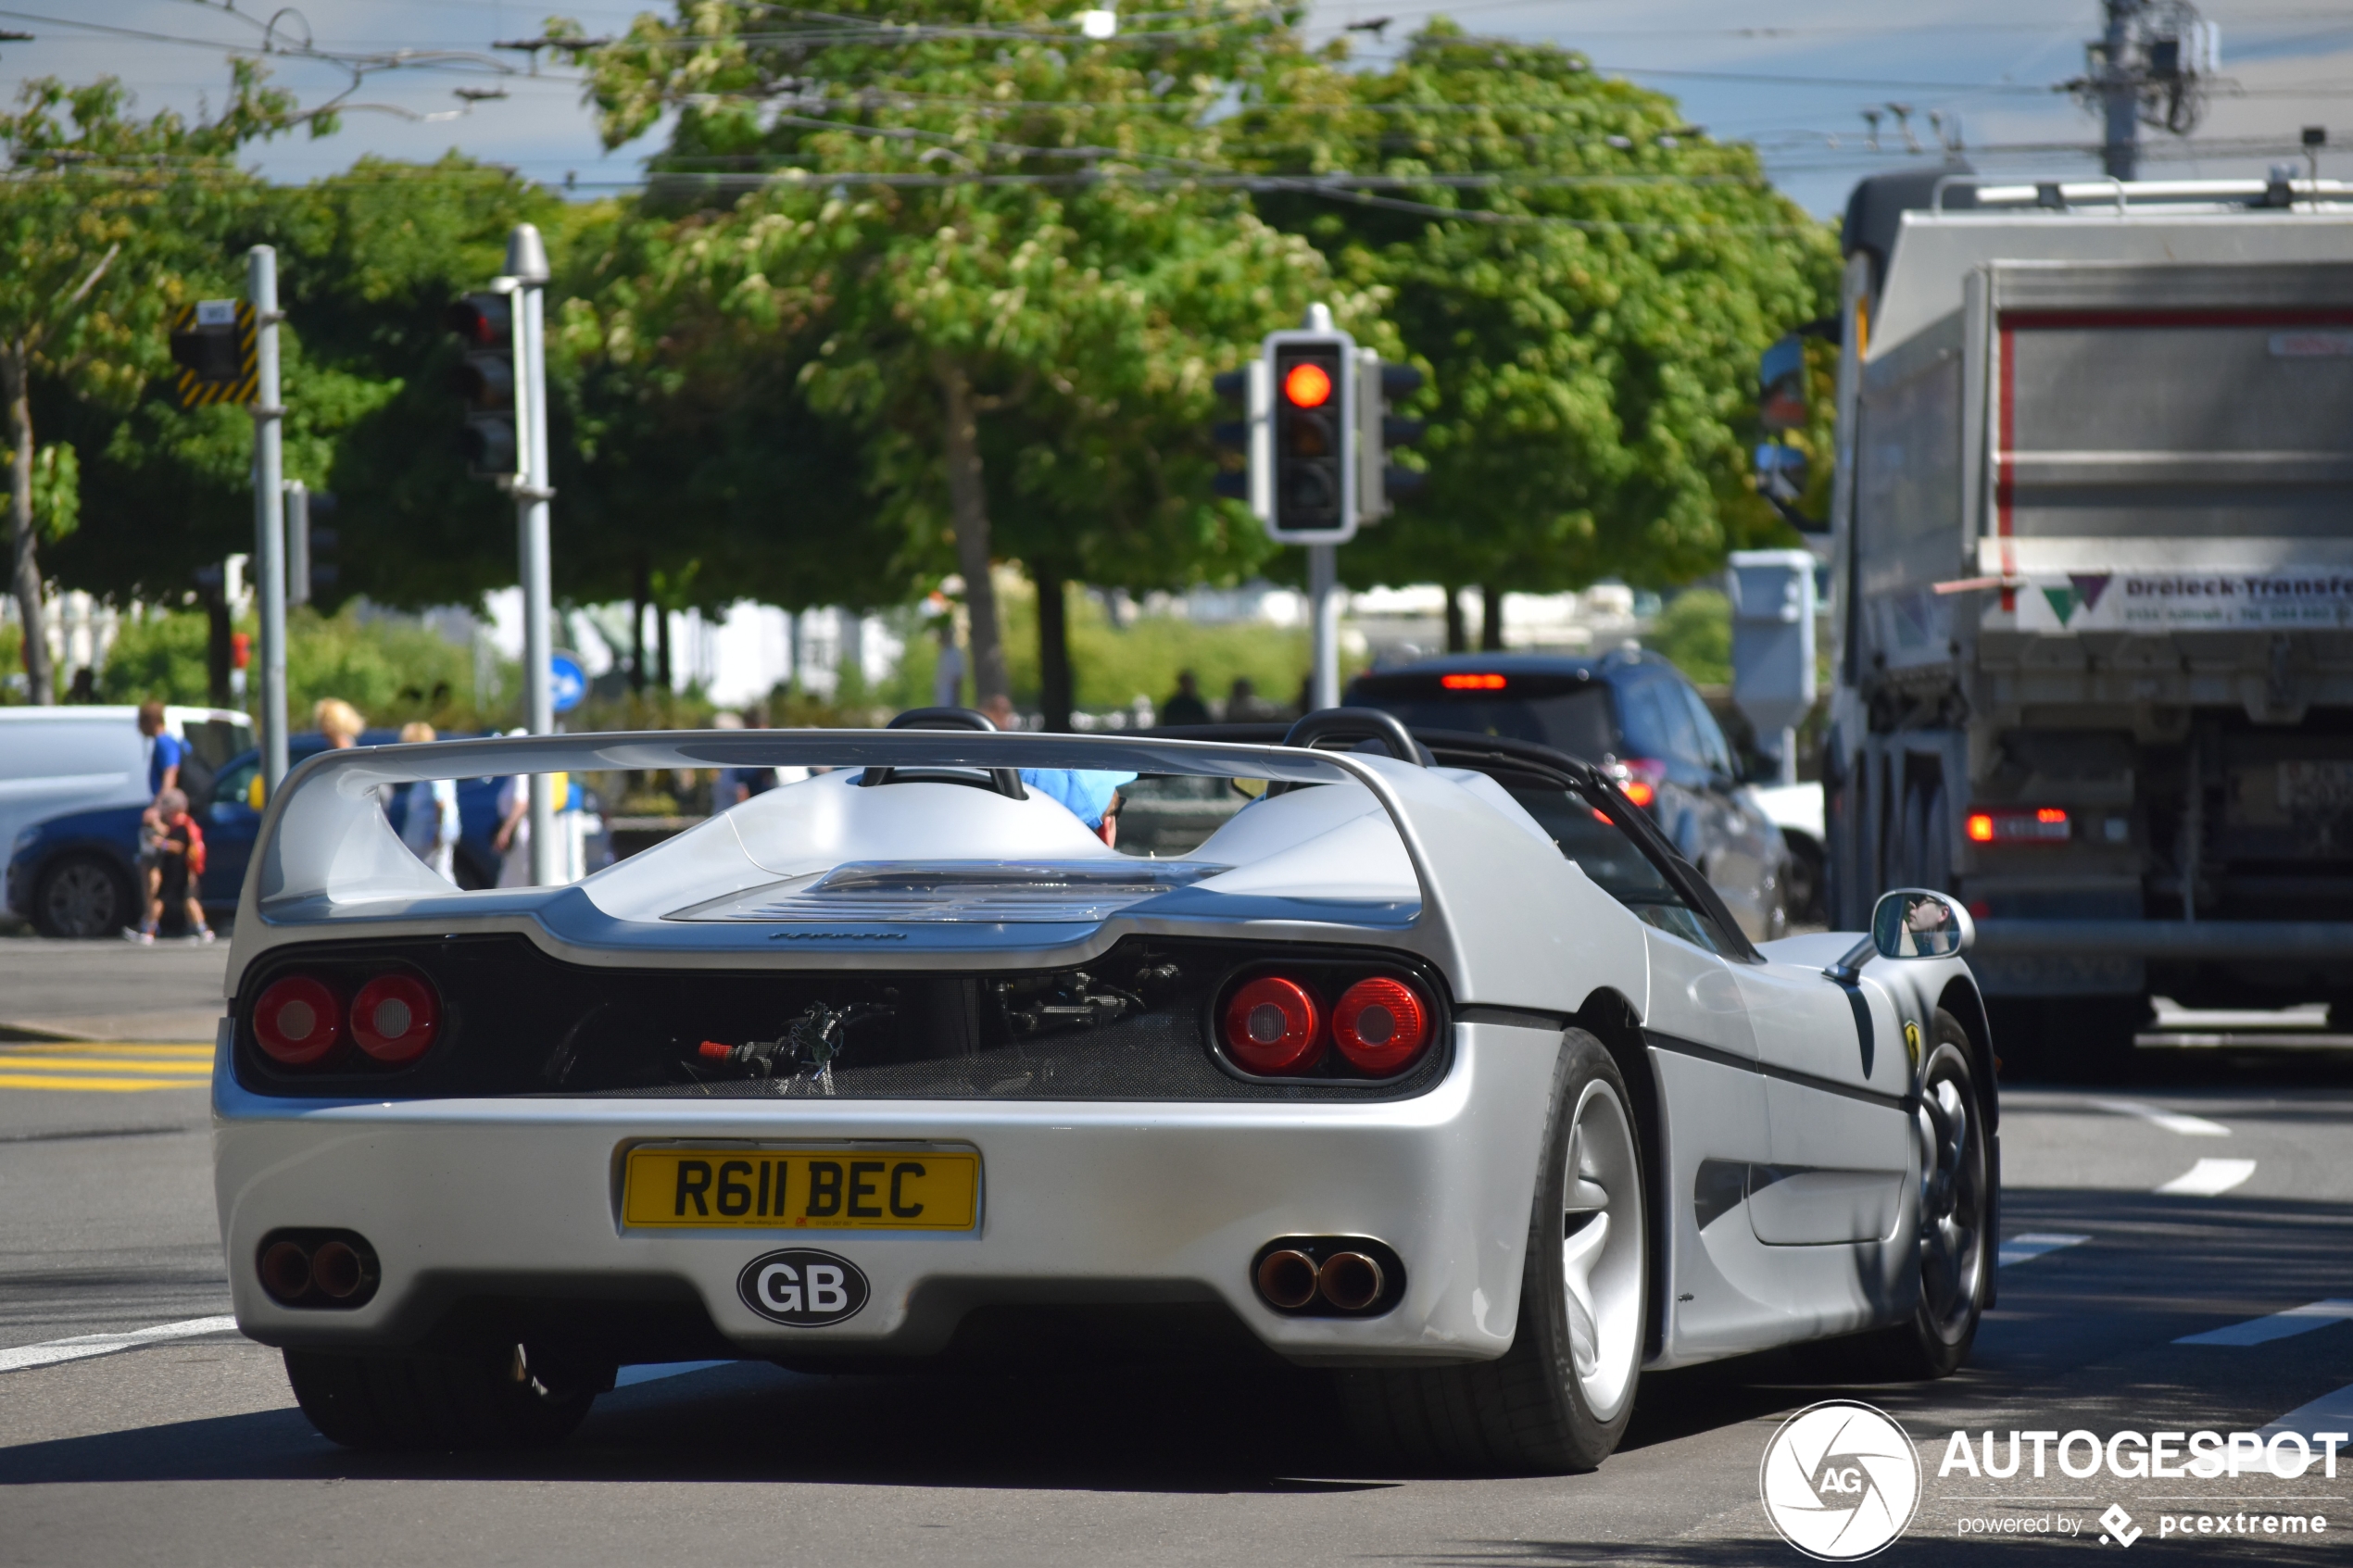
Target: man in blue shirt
(164,752)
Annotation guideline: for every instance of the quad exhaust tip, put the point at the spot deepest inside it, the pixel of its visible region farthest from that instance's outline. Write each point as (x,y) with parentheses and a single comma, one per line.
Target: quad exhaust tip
(1328,1276)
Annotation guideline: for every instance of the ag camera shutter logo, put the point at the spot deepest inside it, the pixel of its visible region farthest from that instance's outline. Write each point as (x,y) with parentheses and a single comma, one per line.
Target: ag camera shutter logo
(803,1287)
(1840,1480)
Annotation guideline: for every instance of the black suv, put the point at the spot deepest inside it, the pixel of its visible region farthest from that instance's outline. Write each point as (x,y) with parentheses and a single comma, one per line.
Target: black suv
(1634,716)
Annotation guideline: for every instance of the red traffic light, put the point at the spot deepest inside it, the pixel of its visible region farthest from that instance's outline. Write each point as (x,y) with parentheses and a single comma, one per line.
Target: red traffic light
(485,321)
(1307,386)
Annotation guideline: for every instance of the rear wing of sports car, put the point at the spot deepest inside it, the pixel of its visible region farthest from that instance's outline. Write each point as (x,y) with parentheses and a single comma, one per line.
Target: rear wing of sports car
(326,845)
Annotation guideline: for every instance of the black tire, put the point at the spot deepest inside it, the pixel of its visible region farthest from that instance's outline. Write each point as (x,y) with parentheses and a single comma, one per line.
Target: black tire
(1530,1411)
(428,1403)
(1956,1249)
(81,896)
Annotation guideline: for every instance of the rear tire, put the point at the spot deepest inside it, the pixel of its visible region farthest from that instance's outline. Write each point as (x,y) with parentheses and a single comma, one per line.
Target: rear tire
(430,1402)
(1559,1399)
(81,896)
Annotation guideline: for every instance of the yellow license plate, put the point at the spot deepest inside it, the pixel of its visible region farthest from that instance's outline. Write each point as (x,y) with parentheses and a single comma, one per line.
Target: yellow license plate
(714,1186)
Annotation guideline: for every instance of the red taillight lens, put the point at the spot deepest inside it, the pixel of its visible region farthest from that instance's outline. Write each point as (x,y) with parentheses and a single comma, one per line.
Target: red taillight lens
(297,1021)
(1380,1025)
(2041,825)
(394,1018)
(1274,1025)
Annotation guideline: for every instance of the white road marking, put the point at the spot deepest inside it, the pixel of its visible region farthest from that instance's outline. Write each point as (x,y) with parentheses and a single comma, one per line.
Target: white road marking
(2278,1325)
(654,1372)
(2019,1248)
(2208,1178)
(2171,1120)
(54,1350)
(2330,1412)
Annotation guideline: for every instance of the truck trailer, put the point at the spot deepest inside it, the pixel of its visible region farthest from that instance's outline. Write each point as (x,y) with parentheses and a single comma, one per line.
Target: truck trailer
(2092,537)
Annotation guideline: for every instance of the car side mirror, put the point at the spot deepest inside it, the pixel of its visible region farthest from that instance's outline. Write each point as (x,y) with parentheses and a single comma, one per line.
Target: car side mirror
(1913,922)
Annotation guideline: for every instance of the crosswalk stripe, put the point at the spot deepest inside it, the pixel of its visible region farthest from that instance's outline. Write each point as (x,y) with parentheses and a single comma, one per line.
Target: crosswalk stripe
(2278,1325)
(62,1081)
(2208,1178)
(49,1352)
(2019,1248)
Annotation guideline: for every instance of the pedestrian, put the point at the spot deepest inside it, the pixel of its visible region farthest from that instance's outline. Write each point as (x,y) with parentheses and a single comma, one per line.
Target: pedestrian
(1244,705)
(166,752)
(338,720)
(999,710)
(1185,706)
(430,827)
(180,871)
(513,838)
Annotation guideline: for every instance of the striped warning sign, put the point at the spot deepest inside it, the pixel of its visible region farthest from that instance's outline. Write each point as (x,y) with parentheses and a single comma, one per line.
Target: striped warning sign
(201,379)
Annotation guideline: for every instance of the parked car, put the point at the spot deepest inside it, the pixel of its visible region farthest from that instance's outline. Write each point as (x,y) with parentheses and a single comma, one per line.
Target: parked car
(1437,1066)
(58,759)
(1634,716)
(77,874)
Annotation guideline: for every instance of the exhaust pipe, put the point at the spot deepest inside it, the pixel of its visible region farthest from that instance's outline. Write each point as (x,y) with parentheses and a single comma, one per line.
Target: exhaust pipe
(1350,1281)
(1288,1279)
(338,1270)
(285,1272)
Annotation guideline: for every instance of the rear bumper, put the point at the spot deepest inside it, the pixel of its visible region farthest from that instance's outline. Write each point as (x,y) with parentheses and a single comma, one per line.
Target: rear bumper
(519,1200)
(2289,941)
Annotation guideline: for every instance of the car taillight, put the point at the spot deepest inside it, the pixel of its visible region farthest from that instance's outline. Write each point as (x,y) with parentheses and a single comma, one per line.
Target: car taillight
(1380,1025)
(1639,778)
(2019,825)
(394,1018)
(1275,1025)
(297,1021)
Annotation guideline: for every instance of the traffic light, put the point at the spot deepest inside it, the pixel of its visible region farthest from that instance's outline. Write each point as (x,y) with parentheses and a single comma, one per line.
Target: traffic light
(1380,432)
(212,342)
(484,379)
(1313,380)
(307,574)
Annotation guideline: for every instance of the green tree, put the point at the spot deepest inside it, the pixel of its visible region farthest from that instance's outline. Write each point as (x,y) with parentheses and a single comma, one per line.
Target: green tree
(1589,281)
(990,233)
(102,211)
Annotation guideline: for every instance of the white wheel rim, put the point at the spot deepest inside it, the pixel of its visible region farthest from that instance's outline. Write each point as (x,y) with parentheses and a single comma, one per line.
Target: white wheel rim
(1602,1250)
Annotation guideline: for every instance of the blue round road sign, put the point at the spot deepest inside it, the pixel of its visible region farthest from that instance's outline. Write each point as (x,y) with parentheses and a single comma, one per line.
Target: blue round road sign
(567,682)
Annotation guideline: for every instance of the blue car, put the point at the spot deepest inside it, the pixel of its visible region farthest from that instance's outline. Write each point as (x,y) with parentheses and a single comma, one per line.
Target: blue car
(78,874)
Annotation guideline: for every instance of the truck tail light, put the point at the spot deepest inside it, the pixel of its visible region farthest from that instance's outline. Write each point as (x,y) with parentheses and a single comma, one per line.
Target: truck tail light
(297,1021)
(1275,1025)
(2017,824)
(394,1018)
(1381,1026)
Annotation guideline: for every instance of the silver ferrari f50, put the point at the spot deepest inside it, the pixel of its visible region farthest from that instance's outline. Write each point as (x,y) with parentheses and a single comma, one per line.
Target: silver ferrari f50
(1432,1065)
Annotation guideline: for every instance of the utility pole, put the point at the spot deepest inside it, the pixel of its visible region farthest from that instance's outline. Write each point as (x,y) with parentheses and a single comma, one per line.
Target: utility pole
(527,264)
(2120,93)
(269,512)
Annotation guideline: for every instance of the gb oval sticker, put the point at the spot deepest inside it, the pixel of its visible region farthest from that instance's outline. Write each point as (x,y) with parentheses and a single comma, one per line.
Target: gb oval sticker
(803,1287)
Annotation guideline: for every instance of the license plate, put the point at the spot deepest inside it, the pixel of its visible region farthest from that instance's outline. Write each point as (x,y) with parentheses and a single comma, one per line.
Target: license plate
(706,1186)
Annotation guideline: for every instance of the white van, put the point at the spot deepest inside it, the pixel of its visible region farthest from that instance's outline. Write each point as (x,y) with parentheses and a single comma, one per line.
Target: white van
(54,761)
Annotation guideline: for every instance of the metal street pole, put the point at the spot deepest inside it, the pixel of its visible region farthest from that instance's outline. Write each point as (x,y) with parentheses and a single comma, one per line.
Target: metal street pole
(527,264)
(1322,592)
(268,509)
(2119,94)
(297,542)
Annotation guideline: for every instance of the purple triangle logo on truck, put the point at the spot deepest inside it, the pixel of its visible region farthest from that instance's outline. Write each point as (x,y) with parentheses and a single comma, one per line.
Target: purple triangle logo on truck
(2088,586)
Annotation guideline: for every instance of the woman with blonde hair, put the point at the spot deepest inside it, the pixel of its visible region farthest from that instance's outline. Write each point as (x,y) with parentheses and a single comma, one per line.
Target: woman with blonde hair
(430,826)
(338,720)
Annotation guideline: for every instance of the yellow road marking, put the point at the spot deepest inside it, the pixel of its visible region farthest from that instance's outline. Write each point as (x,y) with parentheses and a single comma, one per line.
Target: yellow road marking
(132,1048)
(22,1080)
(98,1064)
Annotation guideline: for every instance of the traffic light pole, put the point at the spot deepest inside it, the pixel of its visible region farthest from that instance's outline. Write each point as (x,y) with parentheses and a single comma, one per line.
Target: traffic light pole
(268,509)
(527,264)
(1323,592)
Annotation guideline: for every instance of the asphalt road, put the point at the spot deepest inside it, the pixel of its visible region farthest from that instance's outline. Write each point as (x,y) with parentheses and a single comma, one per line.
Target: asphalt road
(185,1447)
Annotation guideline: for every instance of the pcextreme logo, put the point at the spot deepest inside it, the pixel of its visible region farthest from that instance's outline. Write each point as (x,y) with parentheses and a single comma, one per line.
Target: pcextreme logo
(1840,1480)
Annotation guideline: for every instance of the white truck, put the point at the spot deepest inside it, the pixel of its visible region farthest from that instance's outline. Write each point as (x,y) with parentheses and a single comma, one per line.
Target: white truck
(2092,536)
